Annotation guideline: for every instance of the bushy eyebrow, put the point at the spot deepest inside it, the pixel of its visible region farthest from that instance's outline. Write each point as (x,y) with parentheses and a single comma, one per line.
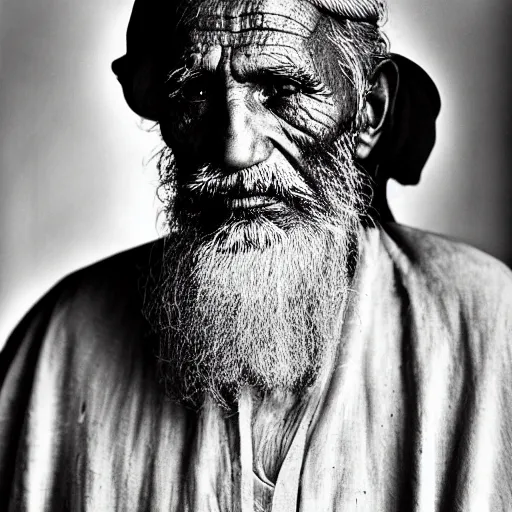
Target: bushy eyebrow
(299,74)
(284,62)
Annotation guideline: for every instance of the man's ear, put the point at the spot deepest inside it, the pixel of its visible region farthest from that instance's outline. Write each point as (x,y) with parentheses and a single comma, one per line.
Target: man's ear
(378,107)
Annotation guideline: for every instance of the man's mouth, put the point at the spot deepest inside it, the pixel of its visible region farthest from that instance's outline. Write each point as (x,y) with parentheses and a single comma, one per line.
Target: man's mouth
(255,201)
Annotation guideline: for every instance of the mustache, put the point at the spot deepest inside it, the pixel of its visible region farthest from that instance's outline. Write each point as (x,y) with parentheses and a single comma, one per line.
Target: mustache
(260,179)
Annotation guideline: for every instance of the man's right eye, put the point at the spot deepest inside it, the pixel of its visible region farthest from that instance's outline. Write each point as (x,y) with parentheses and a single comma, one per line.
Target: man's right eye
(196,90)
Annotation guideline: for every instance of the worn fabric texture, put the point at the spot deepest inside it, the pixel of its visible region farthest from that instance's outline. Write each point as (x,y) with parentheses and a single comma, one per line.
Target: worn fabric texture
(370,11)
(416,414)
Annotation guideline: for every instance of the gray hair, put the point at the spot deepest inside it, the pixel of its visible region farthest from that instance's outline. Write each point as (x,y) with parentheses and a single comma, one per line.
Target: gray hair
(359,48)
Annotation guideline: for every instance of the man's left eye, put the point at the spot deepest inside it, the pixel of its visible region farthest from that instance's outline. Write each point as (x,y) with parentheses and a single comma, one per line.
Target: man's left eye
(279,89)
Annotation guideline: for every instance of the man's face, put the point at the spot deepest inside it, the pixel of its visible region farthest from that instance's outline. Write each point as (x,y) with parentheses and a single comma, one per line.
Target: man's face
(267,201)
(258,88)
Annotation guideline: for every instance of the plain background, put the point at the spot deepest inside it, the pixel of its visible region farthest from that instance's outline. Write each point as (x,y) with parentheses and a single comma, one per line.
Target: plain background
(77,181)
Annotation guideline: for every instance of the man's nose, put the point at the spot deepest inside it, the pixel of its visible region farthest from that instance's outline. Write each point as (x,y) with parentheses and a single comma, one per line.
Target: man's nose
(245,143)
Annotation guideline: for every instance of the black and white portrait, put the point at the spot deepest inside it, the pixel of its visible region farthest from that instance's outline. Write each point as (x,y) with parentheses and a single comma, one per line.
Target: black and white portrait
(254,256)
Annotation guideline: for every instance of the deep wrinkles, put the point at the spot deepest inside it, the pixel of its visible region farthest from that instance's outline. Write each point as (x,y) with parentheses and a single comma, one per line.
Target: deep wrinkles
(199,14)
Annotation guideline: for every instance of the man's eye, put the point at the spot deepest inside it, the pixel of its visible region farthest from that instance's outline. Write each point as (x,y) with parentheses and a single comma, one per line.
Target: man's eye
(279,89)
(196,90)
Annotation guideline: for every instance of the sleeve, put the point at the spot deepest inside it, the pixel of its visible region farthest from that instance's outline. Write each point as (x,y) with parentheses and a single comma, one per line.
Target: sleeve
(18,363)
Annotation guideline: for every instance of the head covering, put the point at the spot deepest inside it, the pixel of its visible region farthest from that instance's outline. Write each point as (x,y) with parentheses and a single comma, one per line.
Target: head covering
(369,11)
(411,134)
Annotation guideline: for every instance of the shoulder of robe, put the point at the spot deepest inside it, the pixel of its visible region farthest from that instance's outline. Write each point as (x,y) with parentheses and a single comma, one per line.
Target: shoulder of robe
(92,306)
(468,289)
(447,263)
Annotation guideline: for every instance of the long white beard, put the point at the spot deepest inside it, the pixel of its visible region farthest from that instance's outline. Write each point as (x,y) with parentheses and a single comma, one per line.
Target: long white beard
(265,314)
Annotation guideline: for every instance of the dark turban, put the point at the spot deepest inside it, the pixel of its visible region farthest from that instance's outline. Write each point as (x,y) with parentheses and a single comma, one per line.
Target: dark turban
(411,134)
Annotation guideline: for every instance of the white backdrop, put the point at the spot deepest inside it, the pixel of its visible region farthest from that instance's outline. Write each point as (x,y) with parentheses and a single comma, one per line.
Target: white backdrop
(75,182)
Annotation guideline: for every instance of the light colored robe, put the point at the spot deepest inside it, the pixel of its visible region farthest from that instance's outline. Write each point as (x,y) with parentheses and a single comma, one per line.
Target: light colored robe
(416,415)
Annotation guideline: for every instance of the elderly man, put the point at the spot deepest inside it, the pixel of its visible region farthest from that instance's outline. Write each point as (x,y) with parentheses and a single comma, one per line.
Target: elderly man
(286,347)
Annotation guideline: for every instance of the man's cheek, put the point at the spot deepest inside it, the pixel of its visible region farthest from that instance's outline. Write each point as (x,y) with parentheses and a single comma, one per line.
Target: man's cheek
(315,120)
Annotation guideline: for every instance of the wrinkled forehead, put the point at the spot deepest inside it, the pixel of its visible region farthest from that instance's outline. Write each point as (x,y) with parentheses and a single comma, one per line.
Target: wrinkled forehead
(274,30)
(247,22)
